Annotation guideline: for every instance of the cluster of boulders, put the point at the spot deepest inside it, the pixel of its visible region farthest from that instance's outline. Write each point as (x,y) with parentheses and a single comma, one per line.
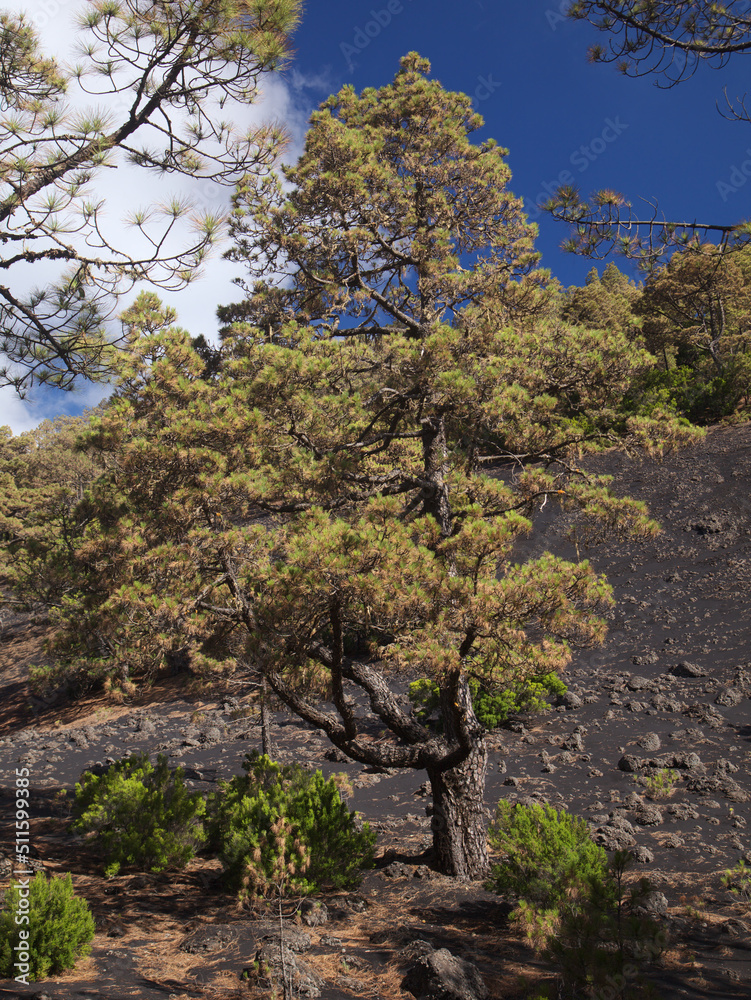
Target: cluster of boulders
(281,953)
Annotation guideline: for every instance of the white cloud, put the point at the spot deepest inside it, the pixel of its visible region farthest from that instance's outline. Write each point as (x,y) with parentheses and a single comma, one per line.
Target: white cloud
(18,414)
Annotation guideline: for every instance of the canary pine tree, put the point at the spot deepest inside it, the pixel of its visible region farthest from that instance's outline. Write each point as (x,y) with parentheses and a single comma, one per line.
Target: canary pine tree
(700,304)
(334,511)
(43,476)
(394,217)
(604,303)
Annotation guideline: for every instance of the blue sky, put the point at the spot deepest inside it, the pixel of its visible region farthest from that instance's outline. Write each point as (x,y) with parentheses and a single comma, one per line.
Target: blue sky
(526,67)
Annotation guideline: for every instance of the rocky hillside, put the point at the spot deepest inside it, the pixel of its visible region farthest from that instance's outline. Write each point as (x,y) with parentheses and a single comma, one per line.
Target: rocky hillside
(670,689)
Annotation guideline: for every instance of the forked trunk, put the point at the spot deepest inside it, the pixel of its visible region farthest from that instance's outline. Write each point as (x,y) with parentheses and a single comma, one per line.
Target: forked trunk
(458,820)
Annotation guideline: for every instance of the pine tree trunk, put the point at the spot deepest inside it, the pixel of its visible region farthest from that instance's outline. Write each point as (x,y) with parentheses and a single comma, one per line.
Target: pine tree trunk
(458,819)
(267,747)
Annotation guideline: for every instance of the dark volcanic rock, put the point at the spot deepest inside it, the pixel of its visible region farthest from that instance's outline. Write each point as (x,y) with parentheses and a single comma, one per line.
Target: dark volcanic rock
(272,961)
(650,741)
(419,948)
(207,940)
(424,872)
(294,938)
(614,838)
(666,703)
(685,669)
(638,683)
(352,984)
(672,840)
(146,725)
(682,811)
(313,912)
(397,869)
(645,660)
(569,701)
(642,855)
(718,786)
(630,763)
(728,697)
(647,815)
(654,903)
(687,761)
(707,715)
(576,740)
(742,679)
(711,525)
(439,975)
(636,706)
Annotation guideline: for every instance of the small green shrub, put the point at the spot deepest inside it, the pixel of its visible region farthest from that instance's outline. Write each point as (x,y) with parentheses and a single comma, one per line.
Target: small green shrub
(549,855)
(323,839)
(738,880)
(492,708)
(660,785)
(606,939)
(144,816)
(694,389)
(258,881)
(573,906)
(57,932)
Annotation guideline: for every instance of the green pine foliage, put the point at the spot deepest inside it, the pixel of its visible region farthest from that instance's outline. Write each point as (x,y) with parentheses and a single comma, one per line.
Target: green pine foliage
(606,938)
(43,476)
(324,842)
(738,880)
(695,312)
(572,904)
(695,389)
(143,816)
(60,927)
(548,854)
(492,708)
(604,303)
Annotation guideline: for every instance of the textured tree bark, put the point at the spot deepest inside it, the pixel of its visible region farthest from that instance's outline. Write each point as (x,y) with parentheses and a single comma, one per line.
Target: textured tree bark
(435,493)
(458,820)
(267,747)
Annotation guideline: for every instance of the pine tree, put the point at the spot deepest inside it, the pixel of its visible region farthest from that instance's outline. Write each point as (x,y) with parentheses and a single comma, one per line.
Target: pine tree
(604,303)
(341,507)
(43,475)
(700,304)
(394,219)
